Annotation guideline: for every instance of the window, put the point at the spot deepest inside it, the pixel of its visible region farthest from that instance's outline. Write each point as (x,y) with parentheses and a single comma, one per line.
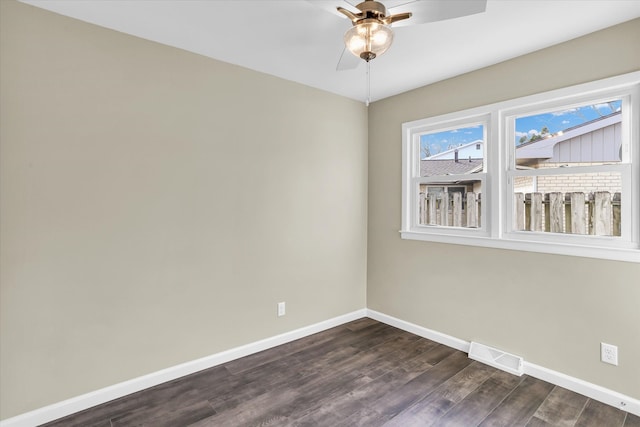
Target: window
(557,172)
(450,175)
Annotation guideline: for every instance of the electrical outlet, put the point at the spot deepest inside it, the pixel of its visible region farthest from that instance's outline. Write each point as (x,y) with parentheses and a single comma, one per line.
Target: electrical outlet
(609,353)
(281,309)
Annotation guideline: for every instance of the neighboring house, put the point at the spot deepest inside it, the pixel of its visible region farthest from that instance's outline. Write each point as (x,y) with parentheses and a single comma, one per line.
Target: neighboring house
(472,150)
(430,167)
(594,142)
(462,160)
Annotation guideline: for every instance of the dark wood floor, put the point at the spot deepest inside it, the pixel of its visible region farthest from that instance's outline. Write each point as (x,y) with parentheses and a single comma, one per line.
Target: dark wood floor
(364,373)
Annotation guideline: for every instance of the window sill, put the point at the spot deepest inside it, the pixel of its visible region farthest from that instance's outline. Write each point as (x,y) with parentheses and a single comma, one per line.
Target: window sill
(616,254)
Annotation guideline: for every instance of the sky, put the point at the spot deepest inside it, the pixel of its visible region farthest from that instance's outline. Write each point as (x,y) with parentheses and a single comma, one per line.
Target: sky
(442,141)
(528,126)
(563,119)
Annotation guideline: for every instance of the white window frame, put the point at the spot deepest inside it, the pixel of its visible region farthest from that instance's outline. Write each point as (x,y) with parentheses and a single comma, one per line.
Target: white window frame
(413,151)
(499,170)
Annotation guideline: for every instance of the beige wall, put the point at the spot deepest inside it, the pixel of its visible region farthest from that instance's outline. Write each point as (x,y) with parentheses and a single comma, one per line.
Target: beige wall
(553,310)
(156,205)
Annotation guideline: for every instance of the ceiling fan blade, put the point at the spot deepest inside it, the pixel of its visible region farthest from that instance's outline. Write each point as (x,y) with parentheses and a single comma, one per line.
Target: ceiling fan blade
(435,10)
(348,61)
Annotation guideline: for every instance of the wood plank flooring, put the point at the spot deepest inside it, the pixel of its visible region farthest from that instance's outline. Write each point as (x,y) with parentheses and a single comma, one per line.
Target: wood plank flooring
(363,373)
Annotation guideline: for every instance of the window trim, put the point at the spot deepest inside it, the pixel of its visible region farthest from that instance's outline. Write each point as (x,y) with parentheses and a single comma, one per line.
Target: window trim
(412,178)
(499,169)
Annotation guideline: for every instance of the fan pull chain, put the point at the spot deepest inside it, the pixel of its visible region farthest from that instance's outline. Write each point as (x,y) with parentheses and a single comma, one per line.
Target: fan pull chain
(368,83)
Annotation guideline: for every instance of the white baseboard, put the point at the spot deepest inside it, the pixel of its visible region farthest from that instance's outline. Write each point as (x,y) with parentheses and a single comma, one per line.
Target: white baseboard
(593,391)
(86,401)
(436,336)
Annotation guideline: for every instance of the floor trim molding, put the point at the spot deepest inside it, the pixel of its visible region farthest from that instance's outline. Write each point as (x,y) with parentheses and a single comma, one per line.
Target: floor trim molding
(436,336)
(88,400)
(593,391)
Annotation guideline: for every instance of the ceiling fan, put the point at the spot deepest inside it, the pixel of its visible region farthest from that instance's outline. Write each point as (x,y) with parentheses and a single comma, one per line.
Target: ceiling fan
(371,33)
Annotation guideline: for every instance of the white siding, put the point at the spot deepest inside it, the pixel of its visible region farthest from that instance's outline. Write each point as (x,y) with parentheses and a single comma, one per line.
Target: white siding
(600,145)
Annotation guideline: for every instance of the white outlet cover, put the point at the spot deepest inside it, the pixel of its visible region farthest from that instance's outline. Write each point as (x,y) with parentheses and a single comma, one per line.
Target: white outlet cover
(609,353)
(281,309)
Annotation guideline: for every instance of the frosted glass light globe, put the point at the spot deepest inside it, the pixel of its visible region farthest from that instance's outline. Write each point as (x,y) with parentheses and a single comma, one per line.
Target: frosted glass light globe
(368,39)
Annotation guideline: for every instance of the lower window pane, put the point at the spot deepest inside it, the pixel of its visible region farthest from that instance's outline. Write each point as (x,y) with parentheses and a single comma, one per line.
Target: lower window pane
(451,204)
(588,204)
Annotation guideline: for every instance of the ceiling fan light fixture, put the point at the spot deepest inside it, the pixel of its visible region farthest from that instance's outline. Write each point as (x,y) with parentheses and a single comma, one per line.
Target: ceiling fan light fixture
(368,39)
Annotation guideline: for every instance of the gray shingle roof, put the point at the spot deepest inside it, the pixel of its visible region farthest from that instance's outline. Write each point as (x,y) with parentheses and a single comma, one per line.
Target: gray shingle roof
(449,167)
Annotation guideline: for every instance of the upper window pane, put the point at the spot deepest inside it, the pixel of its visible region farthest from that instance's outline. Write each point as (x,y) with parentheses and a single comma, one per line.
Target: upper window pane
(586,135)
(458,151)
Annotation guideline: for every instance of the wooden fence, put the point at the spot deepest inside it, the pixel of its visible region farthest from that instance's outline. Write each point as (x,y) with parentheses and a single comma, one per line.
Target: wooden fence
(596,213)
(450,209)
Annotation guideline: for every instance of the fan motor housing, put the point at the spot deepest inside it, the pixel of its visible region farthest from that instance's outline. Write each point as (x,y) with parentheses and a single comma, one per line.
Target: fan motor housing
(372,9)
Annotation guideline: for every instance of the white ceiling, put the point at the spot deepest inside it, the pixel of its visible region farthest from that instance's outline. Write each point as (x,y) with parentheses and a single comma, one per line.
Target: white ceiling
(299,41)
